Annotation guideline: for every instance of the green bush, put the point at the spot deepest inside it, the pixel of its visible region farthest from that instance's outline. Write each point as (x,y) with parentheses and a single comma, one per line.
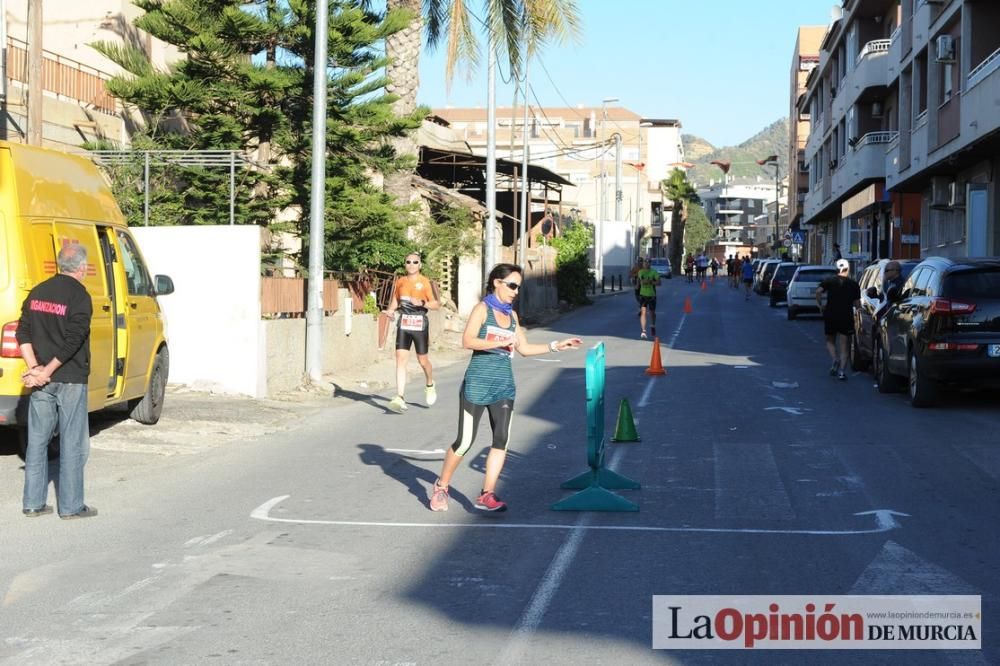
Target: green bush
(573,263)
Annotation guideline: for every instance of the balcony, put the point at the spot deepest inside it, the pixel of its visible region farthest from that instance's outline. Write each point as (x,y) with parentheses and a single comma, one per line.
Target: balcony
(979,115)
(871,71)
(892,164)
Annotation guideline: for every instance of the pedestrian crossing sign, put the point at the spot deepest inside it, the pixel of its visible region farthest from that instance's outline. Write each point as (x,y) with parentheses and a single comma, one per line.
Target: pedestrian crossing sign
(798,237)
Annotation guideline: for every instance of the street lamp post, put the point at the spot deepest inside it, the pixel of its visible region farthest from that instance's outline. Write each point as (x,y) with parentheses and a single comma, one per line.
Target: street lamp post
(772,160)
(601,214)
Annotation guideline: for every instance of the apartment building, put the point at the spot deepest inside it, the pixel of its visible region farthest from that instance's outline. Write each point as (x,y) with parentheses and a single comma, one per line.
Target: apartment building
(805,58)
(581,145)
(76,105)
(905,137)
(743,217)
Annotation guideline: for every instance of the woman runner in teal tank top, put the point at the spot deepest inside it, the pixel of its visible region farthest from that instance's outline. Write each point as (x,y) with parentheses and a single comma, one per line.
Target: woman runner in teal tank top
(493,334)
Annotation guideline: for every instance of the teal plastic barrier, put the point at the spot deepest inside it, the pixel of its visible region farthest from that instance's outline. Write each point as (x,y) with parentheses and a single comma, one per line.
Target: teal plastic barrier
(594,484)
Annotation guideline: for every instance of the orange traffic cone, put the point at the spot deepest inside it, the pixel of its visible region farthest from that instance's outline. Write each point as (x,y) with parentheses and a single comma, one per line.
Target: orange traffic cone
(687,305)
(704,285)
(655,364)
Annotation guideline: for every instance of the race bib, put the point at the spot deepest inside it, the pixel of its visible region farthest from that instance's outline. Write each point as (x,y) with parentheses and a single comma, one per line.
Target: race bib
(411,322)
(495,333)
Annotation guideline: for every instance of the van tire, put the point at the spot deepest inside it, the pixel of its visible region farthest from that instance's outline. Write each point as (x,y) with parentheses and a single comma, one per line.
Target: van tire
(19,436)
(146,410)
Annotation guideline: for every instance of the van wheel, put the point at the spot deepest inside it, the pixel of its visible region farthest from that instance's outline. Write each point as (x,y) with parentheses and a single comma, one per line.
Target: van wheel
(18,438)
(923,391)
(887,383)
(148,408)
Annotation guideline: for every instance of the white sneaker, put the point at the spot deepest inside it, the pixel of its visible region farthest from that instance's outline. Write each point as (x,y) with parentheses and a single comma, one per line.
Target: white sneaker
(398,405)
(430,394)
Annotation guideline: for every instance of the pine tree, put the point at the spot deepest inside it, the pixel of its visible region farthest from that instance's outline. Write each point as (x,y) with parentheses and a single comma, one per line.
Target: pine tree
(246,84)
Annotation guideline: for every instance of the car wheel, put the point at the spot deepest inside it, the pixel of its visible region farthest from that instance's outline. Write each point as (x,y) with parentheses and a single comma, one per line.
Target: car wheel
(923,391)
(887,382)
(857,362)
(147,409)
(792,312)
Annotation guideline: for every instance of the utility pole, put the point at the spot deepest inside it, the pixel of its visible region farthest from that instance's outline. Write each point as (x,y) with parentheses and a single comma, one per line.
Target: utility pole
(489,252)
(34,72)
(317,199)
(618,177)
(522,247)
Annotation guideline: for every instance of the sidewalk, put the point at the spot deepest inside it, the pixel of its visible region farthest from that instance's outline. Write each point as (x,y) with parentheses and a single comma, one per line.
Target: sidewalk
(194,421)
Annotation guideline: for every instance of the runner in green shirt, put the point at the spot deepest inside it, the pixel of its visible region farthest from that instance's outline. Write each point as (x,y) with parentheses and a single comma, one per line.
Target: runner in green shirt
(649,280)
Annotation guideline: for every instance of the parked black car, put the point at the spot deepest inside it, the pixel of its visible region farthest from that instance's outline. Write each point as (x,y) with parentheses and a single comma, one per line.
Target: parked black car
(779,282)
(766,273)
(873,299)
(942,329)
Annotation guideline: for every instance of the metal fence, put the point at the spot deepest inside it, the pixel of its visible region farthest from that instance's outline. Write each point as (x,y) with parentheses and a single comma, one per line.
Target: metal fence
(288,296)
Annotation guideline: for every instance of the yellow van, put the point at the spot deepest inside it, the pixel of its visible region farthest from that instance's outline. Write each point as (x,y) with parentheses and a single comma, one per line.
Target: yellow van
(48,199)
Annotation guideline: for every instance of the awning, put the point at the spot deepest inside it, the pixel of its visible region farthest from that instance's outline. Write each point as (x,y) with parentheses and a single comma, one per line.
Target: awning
(467,168)
(869,196)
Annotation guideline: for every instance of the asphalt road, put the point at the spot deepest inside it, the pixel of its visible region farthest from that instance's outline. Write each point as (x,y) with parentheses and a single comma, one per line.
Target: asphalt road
(315,545)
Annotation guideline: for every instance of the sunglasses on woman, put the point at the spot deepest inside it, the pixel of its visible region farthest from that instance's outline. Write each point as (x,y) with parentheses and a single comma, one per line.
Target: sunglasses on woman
(513,285)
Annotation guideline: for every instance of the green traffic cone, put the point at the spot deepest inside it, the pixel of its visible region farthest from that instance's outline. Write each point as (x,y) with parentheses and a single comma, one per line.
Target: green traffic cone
(625,429)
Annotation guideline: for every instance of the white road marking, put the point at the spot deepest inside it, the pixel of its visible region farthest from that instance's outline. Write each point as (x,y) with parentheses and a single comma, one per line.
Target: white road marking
(795,411)
(882,525)
(417,451)
(530,620)
(647,392)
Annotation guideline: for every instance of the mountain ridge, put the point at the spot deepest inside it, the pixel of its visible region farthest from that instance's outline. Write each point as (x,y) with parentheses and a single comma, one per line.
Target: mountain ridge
(771,140)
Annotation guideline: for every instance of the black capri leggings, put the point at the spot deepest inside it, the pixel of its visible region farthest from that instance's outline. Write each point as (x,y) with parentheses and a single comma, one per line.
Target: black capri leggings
(469,413)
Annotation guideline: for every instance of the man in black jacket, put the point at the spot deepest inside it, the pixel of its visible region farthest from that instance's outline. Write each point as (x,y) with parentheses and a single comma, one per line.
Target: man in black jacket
(54,336)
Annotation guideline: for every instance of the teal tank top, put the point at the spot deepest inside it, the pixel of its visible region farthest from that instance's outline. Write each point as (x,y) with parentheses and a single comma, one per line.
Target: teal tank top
(489,377)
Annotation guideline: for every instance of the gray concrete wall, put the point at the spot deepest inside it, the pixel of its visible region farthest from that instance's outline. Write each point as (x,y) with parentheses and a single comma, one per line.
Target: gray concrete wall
(284,343)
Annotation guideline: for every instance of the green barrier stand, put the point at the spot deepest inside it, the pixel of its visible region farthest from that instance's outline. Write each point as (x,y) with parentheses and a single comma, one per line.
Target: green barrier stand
(594,484)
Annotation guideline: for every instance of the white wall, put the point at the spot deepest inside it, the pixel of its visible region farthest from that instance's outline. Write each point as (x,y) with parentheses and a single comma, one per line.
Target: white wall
(213,317)
(617,238)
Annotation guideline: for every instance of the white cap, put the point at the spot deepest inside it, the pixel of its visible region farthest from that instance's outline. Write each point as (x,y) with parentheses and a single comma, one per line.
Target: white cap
(843,265)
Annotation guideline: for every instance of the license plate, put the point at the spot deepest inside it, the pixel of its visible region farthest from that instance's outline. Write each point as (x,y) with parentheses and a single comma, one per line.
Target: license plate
(993,350)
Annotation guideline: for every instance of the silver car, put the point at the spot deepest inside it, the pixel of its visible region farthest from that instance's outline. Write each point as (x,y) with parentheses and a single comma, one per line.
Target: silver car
(802,288)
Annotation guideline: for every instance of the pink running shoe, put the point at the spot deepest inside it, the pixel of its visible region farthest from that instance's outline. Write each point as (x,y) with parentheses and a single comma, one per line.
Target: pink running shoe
(488,501)
(439,498)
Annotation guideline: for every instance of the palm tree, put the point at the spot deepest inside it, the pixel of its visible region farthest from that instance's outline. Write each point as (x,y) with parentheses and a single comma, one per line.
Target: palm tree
(677,189)
(512,25)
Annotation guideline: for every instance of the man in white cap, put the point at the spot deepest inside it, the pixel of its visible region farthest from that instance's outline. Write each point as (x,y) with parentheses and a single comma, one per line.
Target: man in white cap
(843,295)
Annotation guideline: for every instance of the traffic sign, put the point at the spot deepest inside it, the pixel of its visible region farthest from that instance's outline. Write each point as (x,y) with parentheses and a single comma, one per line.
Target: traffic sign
(787,242)
(798,237)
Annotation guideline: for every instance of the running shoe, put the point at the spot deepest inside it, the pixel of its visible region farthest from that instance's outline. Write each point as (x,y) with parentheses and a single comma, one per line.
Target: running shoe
(398,405)
(842,376)
(488,501)
(439,498)
(430,394)
(642,335)
(834,368)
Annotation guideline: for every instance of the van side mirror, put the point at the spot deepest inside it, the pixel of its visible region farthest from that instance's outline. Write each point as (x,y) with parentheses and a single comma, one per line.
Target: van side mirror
(164,285)
(872,293)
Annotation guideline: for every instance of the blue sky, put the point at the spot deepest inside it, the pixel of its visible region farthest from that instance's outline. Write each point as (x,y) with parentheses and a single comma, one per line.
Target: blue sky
(720,66)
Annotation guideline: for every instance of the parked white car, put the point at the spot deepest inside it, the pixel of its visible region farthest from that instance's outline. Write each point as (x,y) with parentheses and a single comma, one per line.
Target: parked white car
(802,288)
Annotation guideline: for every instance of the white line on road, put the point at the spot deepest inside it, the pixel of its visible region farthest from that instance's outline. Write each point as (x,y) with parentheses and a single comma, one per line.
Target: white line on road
(647,393)
(417,451)
(883,520)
